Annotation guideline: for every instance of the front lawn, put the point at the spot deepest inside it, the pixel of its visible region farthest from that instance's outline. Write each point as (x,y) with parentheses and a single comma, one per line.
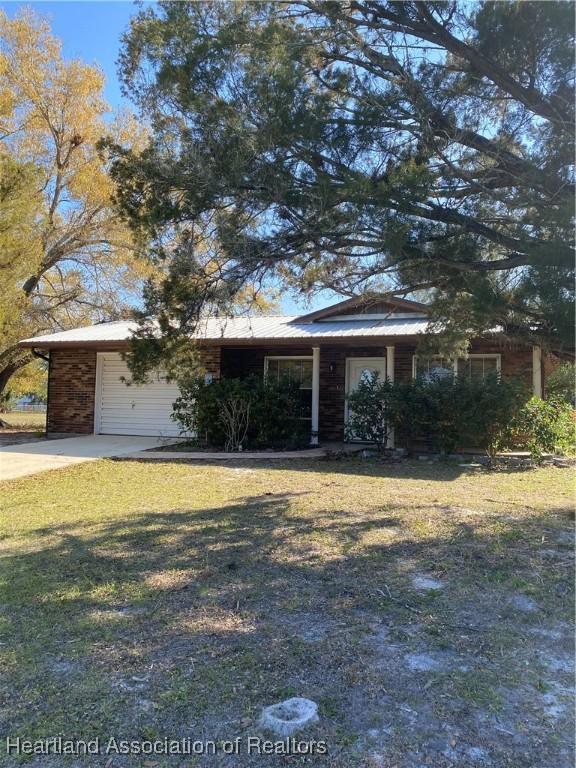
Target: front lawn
(427,608)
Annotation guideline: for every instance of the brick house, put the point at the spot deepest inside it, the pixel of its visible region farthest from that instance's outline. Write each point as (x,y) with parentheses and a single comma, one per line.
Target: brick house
(326,352)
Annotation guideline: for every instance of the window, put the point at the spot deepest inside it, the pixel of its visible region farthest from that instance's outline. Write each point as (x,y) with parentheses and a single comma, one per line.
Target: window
(478,367)
(429,368)
(296,370)
(293,369)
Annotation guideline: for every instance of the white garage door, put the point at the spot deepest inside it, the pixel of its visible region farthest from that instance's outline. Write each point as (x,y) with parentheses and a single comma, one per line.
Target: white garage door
(132,410)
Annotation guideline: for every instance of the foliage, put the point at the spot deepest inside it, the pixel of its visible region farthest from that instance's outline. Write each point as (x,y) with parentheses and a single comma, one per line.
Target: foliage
(66,257)
(368,412)
(277,417)
(560,383)
(447,413)
(241,413)
(544,426)
(19,242)
(487,407)
(29,381)
(397,146)
(443,412)
(407,411)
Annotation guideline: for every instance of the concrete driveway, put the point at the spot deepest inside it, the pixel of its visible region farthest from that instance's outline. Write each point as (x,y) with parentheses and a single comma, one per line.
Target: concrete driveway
(30,458)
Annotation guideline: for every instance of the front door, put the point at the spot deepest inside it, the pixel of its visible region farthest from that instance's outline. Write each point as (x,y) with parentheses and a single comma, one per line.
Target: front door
(360,368)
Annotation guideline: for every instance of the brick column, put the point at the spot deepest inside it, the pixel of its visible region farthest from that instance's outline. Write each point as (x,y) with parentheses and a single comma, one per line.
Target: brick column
(210,358)
(71,391)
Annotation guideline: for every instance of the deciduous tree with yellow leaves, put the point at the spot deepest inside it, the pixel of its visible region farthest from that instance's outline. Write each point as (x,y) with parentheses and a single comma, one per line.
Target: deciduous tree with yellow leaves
(66,258)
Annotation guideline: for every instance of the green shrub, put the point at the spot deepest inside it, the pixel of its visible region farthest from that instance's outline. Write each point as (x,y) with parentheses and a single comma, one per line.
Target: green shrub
(368,417)
(277,416)
(442,411)
(446,412)
(407,411)
(487,408)
(544,426)
(462,412)
(242,413)
(197,411)
(560,383)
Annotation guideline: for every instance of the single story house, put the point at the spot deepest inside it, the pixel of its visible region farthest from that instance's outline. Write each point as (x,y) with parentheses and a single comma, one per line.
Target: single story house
(326,352)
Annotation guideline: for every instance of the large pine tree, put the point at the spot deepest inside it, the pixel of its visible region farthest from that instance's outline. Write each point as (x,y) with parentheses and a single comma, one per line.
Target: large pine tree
(398,146)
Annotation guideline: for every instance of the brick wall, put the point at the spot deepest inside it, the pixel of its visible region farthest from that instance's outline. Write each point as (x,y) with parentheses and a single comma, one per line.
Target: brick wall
(210,358)
(71,388)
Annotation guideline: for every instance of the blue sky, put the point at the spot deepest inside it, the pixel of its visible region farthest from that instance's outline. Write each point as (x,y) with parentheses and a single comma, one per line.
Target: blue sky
(91,31)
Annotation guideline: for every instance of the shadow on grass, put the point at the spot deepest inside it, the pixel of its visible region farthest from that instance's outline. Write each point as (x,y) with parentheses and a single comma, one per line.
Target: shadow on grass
(438,471)
(207,614)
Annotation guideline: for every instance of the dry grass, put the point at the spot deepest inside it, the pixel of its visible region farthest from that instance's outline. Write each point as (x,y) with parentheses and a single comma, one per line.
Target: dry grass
(169,599)
(25,420)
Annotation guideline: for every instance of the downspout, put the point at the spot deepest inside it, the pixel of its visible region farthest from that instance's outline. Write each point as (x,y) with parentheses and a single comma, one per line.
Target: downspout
(36,353)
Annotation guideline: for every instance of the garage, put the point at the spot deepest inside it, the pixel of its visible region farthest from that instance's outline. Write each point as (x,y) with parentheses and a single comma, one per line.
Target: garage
(128,409)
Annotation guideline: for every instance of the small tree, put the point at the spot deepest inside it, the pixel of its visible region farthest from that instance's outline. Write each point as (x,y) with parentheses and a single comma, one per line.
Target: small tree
(216,413)
(368,412)
(235,415)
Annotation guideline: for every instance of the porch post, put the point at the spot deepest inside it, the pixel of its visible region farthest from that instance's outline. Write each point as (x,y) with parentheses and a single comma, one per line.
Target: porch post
(537,371)
(390,377)
(315,394)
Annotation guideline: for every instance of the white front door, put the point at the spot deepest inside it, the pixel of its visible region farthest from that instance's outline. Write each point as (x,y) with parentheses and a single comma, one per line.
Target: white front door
(359,369)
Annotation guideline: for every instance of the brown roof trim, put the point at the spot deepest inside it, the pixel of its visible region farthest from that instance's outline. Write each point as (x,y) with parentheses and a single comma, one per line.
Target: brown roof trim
(359,301)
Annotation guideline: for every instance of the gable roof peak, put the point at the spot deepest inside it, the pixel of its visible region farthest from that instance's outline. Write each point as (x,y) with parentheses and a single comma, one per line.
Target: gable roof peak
(364,304)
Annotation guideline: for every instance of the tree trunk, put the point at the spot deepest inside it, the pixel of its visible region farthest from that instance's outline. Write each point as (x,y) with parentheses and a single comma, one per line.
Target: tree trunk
(6,372)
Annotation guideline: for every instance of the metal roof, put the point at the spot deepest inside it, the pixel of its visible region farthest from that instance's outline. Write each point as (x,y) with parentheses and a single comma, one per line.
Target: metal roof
(245,328)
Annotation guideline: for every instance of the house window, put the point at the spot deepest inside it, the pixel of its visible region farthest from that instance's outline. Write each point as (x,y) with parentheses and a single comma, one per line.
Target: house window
(478,367)
(429,368)
(295,370)
(475,367)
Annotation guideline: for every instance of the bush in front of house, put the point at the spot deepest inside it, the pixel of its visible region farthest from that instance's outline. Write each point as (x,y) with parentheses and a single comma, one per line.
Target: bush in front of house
(486,408)
(278,417)
(236,414)
(544,426)
(560,383)
(448,413)
(408,411)
(369,412)
(453,413)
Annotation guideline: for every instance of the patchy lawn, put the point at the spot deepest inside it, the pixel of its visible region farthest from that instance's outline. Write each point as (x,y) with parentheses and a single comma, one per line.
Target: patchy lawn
(23,427)
(427,608)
